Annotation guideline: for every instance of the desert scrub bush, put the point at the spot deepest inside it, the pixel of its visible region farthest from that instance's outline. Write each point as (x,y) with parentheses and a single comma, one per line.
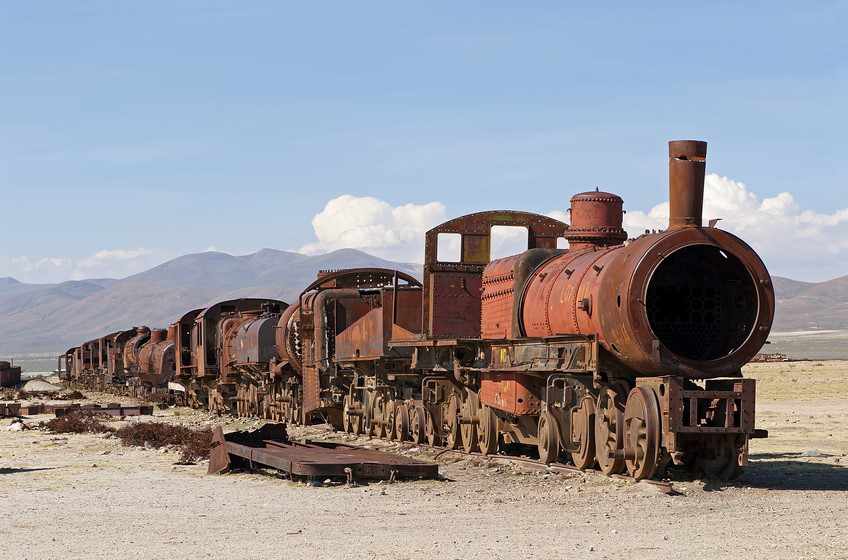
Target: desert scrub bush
(193,444)
(77,422)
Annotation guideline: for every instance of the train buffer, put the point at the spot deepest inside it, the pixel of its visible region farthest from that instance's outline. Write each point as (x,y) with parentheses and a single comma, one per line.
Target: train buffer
(270,446)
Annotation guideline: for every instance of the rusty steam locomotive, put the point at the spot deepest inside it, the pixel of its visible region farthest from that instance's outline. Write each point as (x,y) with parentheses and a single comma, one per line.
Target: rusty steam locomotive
(620,354)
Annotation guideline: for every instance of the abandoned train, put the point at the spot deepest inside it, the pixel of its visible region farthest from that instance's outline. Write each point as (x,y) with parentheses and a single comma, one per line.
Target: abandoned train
(618,354)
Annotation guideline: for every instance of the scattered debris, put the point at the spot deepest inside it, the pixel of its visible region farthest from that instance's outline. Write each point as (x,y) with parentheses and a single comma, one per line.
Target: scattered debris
(773,357)
(17,426)
(314,460)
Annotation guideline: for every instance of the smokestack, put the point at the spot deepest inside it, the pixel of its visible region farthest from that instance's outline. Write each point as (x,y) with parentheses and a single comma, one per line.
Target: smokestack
(687,160)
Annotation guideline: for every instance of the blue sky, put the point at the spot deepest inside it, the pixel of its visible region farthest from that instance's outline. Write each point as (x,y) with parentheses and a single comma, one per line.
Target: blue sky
(133,130)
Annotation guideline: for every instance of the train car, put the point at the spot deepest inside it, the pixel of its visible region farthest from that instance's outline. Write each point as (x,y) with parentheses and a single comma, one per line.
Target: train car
(156,365)
(131,349)
(185,360)
(207,364)
(334,337)
(618,354)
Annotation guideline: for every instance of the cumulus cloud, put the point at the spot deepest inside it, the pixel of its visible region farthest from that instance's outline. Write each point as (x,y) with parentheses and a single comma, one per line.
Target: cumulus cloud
(106,263)
(794,242)
(374,226)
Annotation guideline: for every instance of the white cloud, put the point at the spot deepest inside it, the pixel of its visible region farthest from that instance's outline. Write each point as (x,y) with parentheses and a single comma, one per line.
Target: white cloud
(106,263)
(801,244)
(794,242)
(374,226)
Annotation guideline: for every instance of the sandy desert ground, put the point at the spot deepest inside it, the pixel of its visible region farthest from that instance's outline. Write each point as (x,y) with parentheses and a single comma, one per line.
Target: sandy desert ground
(86,496)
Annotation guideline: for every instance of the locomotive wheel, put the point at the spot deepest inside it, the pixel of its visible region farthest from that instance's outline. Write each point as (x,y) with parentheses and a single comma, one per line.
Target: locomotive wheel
(417,424)
(641,433)
(356,420)
(346,417)
(583,433)
(391,411)
(609,432)
(719,459)
(548,440)
(368,414)
(432,425)
(487,431)
(451,423)
(468,425)
(378,415)
(401,426)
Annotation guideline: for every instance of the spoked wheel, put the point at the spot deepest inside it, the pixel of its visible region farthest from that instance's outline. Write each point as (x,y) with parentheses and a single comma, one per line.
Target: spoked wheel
(583,433)
(487,431)
(468,427)
(346,417)
(641,433)
(391,409)
(451,423)
(401,426)
(548,442)
(355,419)
(432,424)
(609,431)
(378,415)
(718,457)
(417,424)
(367,414)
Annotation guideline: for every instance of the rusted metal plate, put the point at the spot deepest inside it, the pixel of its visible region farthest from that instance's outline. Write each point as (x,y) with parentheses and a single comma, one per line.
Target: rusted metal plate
(452,290)
(514,393)
(363,339)
(111,410)
(10,376)
(270,446)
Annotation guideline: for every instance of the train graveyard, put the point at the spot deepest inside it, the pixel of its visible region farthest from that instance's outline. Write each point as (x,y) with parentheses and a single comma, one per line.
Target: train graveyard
(61,490)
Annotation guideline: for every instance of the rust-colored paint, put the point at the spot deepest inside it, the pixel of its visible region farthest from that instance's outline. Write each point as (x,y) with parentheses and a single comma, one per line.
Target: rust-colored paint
(633,303)
(452,291)
(510,392)
(596,220)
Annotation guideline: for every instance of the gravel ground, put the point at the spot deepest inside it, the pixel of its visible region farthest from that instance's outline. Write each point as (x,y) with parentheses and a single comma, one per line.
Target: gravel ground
(86,496)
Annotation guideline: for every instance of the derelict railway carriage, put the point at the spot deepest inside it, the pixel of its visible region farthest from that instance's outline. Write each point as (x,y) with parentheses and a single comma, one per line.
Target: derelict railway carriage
(617,354)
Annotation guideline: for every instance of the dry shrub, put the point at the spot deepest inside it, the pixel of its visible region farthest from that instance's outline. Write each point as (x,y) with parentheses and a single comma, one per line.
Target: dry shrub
(77,422)
(194,444)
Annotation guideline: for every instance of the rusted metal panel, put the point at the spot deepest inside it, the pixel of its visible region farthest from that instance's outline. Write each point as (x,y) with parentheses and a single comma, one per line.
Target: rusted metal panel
(364,339)
(109,409)
(10,376)
(254,341)
(271,447)
(452,291)
(455,304)
(514,393)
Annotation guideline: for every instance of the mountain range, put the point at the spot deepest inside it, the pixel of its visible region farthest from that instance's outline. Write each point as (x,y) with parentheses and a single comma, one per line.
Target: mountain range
(37,318)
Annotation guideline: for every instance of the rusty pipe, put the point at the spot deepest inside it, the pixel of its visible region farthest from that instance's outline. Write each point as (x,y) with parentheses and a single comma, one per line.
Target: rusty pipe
(686,167)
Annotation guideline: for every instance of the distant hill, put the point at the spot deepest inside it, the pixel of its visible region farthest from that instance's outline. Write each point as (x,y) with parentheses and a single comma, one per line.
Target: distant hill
(52,317)
(810,305)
